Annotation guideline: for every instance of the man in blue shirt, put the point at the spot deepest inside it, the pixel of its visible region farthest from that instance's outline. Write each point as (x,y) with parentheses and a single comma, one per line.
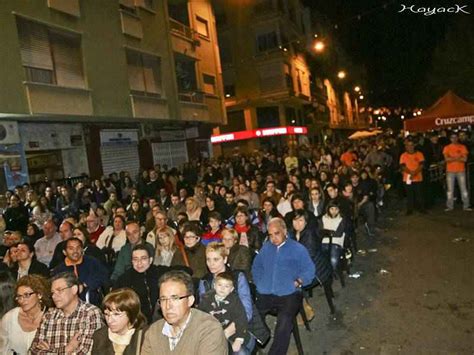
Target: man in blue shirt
(280,269)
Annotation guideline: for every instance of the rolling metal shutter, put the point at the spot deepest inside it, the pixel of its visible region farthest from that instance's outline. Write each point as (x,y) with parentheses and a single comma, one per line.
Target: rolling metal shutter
(119,152)
(173,154)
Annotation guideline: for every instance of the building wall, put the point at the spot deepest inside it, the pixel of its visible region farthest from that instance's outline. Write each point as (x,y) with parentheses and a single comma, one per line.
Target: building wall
(106,100)
(265,76)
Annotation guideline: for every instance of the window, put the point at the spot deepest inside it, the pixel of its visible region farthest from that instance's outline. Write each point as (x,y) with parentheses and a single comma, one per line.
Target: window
(201,27)
(288,77)
(185,73)
(209,82)
(144,73)
(50,56)
(267,41)
(179,12)
(128,6)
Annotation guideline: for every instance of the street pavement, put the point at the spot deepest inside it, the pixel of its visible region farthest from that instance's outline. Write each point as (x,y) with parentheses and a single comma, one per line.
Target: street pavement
(415,293)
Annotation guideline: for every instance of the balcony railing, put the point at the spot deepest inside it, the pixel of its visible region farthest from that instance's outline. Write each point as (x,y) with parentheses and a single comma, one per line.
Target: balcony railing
(196,97)
(181,29)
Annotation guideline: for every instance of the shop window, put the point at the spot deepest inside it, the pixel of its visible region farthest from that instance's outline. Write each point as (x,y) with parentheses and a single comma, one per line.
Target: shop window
(209,82)
(50,56)
(267,41)
(202,27)
(144,74)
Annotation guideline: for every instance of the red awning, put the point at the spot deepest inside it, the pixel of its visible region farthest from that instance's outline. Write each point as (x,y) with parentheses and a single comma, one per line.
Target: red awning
(450,110)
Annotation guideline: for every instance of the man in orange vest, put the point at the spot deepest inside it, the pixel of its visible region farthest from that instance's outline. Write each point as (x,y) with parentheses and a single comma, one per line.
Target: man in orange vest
(411,163)
(455,155)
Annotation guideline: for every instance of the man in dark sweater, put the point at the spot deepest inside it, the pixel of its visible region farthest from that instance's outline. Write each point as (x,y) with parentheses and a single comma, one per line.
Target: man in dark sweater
(90,271)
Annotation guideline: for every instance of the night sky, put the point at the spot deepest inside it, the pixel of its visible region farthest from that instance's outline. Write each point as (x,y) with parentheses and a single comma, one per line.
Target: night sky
(394,48)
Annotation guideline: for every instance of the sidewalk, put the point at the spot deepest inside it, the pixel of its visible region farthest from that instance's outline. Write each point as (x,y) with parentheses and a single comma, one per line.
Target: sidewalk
(423,303)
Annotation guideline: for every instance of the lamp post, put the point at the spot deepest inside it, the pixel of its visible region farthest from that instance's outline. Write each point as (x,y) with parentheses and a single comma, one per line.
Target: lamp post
(319,46)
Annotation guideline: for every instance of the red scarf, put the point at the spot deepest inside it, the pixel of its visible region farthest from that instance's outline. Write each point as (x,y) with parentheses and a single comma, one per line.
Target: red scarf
(241,229)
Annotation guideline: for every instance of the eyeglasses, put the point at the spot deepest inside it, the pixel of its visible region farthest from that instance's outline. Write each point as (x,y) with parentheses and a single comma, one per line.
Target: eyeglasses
(190,236)
(172,299)
(143,259)
(24,296)
(114,314)
(59,291)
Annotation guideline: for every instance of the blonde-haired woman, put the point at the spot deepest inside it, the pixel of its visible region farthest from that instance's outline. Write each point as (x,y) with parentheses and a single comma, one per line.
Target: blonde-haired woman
(125,324)
(18,326)
(165,246)
(193,209)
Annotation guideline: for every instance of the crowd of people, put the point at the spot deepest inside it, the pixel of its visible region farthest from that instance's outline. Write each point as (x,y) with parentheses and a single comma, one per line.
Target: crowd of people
(191,260)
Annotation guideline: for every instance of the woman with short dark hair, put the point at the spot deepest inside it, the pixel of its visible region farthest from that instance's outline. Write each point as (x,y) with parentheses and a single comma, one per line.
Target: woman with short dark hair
(125,324)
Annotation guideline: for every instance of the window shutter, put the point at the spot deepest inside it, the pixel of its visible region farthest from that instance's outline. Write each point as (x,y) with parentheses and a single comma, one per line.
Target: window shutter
(67,60)
(135,72)
(209,84)
(151,70)
(34,45)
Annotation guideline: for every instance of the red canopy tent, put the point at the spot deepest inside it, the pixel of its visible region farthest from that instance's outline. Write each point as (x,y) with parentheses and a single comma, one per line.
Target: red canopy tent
(450,110)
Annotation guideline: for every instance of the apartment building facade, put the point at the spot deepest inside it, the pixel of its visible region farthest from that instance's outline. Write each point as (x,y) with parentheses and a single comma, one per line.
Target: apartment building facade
(266,50)
(100,86)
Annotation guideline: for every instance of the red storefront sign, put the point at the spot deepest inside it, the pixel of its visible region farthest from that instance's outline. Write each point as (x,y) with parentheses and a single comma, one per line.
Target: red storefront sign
(258,133)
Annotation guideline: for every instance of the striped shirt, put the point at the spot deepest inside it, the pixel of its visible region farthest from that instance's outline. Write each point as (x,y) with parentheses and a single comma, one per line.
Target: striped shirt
(57,329)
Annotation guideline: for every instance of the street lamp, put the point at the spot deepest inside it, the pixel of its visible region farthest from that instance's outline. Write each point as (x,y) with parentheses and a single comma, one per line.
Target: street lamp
(319,46)
(357,89)
(341,74)
(361,97)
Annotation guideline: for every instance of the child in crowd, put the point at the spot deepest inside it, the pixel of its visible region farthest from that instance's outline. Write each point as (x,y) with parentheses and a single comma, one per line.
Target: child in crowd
(214,233)
(226,307)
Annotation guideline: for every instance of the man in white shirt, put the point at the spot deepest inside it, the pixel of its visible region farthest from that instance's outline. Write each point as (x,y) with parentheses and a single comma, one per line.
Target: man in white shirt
(44,247)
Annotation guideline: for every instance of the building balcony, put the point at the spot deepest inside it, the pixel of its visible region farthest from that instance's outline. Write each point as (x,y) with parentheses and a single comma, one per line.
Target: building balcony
(184,39)
(149,106)
(53,99)
(193,106)
(216,112)
(266,8)
(181,29)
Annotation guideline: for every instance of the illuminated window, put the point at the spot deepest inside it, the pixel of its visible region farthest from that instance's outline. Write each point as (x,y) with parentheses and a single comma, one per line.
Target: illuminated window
(202,27)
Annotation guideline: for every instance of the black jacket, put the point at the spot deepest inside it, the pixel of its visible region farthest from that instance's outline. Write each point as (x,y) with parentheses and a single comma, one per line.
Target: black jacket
(36,268)
(145,284)
(310,238)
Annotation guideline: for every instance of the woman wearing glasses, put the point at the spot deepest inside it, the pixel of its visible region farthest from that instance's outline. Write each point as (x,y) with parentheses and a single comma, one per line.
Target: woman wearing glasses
(18,327)
(125,324)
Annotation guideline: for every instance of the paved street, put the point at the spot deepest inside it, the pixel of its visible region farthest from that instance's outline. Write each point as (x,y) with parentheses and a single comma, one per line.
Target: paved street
(423,305)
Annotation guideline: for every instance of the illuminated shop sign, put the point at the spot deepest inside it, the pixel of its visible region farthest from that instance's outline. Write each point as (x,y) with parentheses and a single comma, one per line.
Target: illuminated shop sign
(258,133)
